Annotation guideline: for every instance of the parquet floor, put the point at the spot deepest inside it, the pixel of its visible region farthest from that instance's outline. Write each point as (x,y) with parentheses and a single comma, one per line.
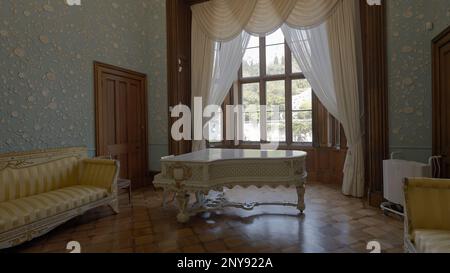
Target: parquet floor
(332,223)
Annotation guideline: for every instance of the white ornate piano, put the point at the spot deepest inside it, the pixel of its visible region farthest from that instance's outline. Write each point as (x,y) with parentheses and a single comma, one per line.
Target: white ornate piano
(209,170)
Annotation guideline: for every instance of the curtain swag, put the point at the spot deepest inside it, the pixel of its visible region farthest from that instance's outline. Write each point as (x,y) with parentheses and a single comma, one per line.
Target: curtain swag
(224,20)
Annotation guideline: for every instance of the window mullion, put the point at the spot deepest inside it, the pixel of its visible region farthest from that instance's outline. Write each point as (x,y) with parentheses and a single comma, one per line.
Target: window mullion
(235,101)
(288,59)
(262,87)
(288,94)
(315,121)
(240,120)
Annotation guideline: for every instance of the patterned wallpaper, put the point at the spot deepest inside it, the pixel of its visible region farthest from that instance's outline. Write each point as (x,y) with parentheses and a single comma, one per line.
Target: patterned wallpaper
(409,56)
(47,49)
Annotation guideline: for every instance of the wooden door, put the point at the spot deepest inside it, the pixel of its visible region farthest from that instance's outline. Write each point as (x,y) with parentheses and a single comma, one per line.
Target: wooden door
(441,100)
(121,119)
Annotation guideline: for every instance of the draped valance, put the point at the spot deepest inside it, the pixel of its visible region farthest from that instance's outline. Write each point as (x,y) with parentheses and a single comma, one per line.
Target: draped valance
(223,20)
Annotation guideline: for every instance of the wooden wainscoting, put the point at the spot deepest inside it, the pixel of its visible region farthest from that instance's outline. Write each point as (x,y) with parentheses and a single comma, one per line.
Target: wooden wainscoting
(325,165)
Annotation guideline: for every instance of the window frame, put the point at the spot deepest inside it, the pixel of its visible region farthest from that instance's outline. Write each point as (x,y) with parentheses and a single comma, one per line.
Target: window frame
(327,132)
(263,79)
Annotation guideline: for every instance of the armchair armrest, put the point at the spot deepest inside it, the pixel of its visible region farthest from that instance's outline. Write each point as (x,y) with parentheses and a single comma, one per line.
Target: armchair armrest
(100,173)
(427,204)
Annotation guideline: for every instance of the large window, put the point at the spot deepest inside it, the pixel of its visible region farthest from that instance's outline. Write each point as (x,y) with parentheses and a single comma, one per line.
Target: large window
(270,76)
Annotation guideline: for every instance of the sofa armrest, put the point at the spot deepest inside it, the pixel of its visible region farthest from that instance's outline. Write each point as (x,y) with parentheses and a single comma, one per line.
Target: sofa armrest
(100,173)
(427,204)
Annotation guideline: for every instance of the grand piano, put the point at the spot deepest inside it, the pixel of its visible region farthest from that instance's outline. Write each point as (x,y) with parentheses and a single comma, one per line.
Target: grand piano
(202,172)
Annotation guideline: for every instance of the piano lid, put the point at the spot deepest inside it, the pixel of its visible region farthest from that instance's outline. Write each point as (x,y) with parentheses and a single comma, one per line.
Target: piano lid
(211,155)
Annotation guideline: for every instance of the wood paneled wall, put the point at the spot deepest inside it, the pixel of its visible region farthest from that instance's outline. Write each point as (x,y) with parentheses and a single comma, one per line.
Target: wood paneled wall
(178,64)
(375,93)
(325,165)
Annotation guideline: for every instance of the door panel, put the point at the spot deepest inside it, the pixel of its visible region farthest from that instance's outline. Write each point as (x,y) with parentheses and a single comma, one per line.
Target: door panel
(108,107)
(134,132)
(121,113)
(121,117)
(441,100)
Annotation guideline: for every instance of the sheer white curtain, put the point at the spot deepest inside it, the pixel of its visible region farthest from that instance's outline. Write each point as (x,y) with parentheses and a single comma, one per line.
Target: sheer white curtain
(226,61)
(310,48)
(327,55)
(202,71)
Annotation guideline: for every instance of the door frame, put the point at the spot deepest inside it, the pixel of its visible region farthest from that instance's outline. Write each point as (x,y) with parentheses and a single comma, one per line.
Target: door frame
(99,68)
(437,118)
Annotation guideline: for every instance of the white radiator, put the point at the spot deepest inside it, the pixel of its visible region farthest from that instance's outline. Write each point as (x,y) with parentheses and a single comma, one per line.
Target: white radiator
(394,173)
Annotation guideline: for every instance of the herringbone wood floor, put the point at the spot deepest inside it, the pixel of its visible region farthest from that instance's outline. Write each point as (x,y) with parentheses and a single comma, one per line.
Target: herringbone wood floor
(332,223)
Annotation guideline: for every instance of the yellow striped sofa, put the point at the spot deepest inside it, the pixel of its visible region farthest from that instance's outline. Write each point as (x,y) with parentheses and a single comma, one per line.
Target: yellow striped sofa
(43,189)
(427,219)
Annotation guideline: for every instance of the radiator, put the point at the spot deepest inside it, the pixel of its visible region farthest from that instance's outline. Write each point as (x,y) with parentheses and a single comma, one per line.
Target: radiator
(394,173)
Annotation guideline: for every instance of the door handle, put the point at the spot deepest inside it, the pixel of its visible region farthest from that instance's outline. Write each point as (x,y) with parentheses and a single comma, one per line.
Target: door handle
(180,65)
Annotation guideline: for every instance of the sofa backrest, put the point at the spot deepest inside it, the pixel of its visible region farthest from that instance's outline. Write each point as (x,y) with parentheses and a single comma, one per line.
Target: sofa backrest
(31,173)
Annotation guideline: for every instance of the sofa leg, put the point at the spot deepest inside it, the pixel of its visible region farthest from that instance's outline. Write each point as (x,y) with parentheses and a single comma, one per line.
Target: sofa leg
(301,198)
(115,206)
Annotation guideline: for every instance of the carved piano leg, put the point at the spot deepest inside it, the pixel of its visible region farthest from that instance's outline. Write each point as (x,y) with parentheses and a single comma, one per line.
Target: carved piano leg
(183,201)
(301,198)
(164,198)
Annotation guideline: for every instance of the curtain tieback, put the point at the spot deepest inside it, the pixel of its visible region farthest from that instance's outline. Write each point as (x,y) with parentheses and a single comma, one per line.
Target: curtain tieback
(352,146)
(350,152)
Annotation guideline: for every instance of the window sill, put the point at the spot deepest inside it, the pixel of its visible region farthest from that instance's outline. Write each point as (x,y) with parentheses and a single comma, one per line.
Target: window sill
(283,146)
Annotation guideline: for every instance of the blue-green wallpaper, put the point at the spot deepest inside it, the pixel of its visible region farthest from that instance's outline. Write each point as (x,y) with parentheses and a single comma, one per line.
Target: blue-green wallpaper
(46,82)
(410,86)
(47,49)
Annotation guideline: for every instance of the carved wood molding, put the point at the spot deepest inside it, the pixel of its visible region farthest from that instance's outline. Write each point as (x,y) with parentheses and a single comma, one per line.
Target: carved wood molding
(20,160)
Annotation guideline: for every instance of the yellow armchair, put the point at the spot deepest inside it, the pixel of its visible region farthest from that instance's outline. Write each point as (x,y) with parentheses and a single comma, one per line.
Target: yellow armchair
(427,218)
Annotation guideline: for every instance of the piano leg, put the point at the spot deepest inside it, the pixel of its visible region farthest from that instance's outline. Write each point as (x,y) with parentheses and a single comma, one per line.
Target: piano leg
(164,198)
(301,198)
(183,201)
